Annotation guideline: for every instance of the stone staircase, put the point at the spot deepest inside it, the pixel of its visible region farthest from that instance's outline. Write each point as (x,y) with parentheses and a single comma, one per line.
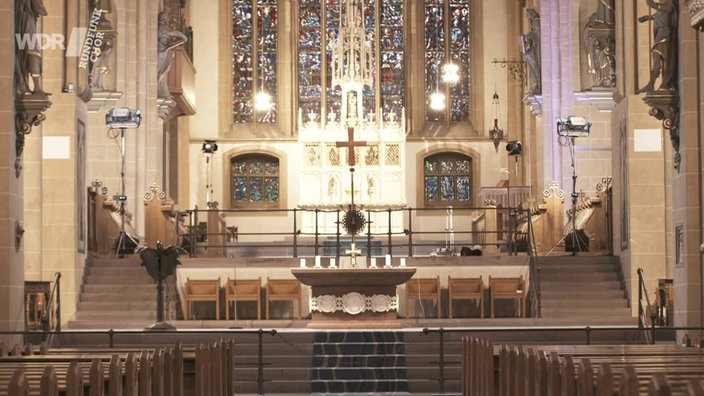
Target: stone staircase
(583,288)
(116,293)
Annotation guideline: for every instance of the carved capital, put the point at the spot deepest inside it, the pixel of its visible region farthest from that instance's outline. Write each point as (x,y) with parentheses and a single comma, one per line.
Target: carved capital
(29,112)
(665,106)
(696,13)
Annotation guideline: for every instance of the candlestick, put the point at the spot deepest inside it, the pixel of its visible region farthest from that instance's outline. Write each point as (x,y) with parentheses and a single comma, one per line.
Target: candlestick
(403,262)
(317,261)
(388,261)
(373,262)
(332,263)
(303,263)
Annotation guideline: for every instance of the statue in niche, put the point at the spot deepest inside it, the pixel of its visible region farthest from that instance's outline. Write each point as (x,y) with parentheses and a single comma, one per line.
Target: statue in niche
(663,54)
(599,44)
(530,46)
(28,60)
(169,39)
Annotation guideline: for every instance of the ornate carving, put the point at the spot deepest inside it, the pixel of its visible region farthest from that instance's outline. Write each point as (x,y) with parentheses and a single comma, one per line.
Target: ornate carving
(353,221)
(517,68)
(696,13)
(29,112)
(665,106)
(553,190)
(354,303)
(599,44)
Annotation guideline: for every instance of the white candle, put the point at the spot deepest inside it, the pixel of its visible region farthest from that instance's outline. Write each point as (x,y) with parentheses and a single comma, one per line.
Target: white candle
(317,261)
(388,261)
(332,262)
(373,262)
(403,262)
(303,263)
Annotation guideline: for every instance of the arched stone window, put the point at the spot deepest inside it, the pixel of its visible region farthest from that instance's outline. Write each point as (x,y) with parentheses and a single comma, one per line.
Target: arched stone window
(447,180)
(254,181)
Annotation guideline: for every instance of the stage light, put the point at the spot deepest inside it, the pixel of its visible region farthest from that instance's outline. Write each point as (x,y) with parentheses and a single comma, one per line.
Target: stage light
(209,147)
(123,118)
(514,147)
(573,126)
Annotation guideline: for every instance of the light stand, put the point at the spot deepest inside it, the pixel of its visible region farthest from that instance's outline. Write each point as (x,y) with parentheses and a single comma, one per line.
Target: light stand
(568,129)
(514,149)
(209,148)
(122,118)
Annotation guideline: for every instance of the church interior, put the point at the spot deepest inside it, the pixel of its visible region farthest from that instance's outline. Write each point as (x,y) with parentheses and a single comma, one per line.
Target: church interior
(413,197)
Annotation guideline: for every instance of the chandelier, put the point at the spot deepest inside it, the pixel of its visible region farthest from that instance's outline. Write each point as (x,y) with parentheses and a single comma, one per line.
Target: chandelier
(496,133)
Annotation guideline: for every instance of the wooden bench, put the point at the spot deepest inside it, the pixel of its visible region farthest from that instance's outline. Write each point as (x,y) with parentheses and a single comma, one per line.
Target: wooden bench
(508,289)
(243,290)
(465,289)
(201,290)
(423,289)
(283,290)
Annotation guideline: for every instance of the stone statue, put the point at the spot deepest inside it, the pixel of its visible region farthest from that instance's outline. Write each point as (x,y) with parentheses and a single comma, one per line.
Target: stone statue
(168,40)
(28,60)
(530,46)
(664,50)
(598,41)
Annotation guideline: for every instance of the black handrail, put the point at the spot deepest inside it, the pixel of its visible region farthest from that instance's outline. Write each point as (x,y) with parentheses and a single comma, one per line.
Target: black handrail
(643,291)
(50,313)
(406,238)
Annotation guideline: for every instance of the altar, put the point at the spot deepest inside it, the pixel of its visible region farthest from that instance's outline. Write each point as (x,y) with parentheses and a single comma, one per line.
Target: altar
(354,298)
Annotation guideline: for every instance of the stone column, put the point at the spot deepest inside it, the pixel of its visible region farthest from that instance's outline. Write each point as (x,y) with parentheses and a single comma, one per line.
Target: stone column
(12,263)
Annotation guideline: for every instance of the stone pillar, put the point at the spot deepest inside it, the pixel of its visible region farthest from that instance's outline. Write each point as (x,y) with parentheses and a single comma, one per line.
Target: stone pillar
(11,197)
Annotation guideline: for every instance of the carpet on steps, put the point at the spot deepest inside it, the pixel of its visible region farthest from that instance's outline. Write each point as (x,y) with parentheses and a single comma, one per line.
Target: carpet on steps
(359,362)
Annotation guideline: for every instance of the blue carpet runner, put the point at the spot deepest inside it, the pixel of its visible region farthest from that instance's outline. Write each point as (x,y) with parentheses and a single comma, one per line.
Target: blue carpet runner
(349,362)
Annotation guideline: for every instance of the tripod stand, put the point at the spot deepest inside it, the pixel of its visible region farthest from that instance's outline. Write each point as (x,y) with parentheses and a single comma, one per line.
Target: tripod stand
(576,242)
(122,240)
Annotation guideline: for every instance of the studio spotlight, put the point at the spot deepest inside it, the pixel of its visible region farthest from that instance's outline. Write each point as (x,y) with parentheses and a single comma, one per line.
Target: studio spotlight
(209,147)
(573,126)
(514,147)
(123,118)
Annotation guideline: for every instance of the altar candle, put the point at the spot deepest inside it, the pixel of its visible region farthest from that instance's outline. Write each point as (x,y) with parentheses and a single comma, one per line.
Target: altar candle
(403,262)
(303,263)
(317,261)
(388,261)
(332,262)
(373,262)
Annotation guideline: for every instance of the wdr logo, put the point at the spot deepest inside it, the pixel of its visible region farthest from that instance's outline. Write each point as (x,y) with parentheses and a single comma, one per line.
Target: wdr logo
(53,41)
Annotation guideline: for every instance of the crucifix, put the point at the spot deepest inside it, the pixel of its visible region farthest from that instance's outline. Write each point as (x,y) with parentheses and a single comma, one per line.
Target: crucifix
(354,227)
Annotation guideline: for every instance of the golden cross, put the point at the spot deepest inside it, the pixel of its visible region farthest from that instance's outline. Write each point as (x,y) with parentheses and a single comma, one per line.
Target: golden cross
(353,254)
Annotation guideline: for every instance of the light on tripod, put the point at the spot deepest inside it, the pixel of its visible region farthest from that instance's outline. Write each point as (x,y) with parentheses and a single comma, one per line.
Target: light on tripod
(209,147)
(573,126)
(123,118)
(514,147)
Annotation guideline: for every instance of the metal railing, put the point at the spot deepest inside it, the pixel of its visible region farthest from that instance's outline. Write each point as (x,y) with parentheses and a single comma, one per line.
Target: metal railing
(51,318)
(644,320)
(407,240)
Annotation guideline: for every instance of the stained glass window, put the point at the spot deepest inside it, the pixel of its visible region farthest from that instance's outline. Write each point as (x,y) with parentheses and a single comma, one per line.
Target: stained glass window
(318,24)
(255,181)
(253,58)
(447,180)
(447,40)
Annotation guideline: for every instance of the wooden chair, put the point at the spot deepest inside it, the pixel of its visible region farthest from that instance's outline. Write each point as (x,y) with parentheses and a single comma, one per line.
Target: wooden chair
(283,290)
(423,289)
(201,290)
(243,290)
(465,289)
(508,289)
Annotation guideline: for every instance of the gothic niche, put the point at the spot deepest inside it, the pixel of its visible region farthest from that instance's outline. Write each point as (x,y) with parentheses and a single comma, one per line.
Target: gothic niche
(664,101)
(174,61)
(31,101)
(530,47)
(598,42)
(95,62)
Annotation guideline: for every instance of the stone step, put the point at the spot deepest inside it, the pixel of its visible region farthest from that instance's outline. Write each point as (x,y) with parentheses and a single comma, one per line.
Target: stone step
(581,268)
(567,312)
(584,294)
(133,289)
(112,271)
(117,305)
(134,262)
(582,277)
(577,260)
(108,297)
(117,280)
(594,287)
(79,324)
(582,304)
(132,315)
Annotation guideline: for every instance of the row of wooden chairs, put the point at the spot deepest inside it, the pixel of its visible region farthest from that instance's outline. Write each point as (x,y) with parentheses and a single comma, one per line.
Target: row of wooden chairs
(467,289)
(241,290)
